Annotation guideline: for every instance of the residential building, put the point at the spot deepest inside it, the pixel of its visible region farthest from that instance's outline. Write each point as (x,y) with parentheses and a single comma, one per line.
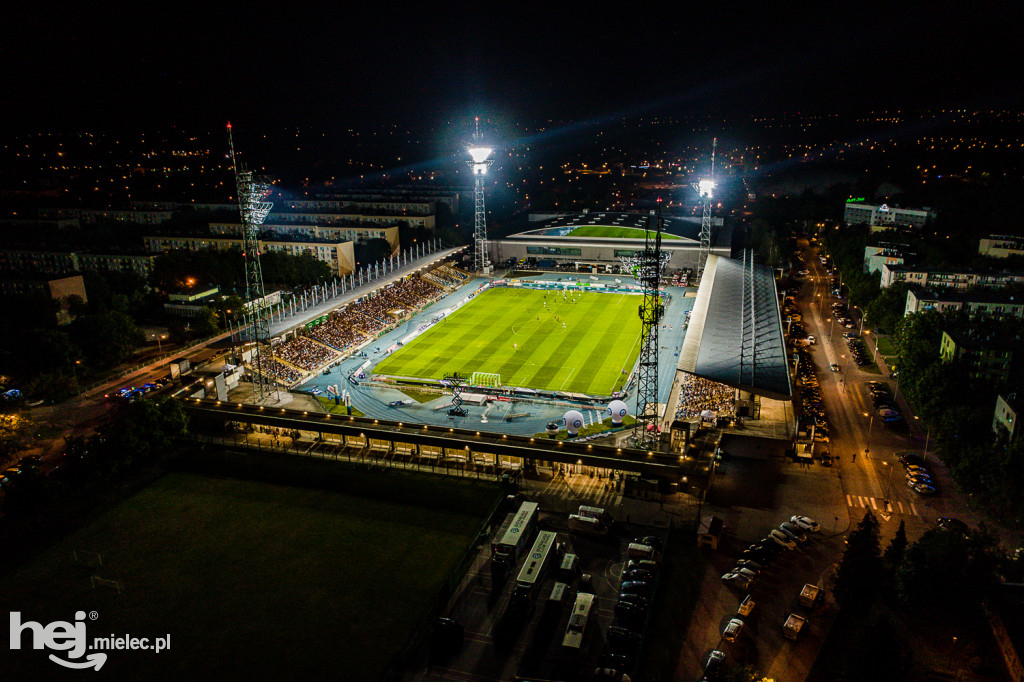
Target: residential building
(360,234)
(883,254)
(989,358)
(980,303)
(60,289)
(1001,246)
(885,216)
(927,278)
(339,255)
(1004,419)
(66,262)
(89,216)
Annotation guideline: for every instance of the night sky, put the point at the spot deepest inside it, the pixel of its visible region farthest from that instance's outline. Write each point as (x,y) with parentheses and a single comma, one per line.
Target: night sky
(95,65)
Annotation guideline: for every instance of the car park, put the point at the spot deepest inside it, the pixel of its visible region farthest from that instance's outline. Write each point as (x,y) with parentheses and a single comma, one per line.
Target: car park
(806,523)
(732,629)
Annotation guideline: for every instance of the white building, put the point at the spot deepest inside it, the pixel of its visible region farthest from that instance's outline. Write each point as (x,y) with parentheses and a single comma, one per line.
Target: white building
(956,279)
(884,216)
(1001,246)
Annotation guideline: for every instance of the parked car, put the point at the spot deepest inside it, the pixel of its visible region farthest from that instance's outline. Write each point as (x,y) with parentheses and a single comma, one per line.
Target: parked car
(921,488)
(732,629)
(806,523)
(736,580)
(714,666)
(751,564)
(834,367)
(745,571)
(794,531)
(906,458)
(953,525)
(746,606)
(782,539)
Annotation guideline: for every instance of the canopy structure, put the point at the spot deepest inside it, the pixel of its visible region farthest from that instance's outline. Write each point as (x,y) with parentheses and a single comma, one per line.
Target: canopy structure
(735,333)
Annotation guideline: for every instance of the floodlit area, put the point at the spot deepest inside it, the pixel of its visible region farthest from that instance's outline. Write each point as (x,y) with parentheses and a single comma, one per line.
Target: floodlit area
(546,340)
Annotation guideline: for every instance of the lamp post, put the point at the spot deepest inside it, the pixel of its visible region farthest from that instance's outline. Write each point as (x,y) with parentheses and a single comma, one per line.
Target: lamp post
(871,422)
(927,438)
(888,483)
(159,345)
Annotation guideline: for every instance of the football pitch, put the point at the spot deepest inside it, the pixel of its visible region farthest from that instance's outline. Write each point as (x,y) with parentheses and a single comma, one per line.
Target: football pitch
(586,342)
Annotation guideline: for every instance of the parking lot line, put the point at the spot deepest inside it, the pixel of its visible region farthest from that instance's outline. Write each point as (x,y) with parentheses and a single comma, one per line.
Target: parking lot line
(873,505)
(913,509)
(849,502)
(901,506)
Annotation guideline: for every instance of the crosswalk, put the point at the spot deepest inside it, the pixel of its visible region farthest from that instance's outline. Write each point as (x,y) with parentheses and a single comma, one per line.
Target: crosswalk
(891,507)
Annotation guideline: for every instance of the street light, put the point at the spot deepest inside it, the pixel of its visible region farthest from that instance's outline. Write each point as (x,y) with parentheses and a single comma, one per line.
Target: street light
(888,483)
(871,422)
(927,438)
(159,345)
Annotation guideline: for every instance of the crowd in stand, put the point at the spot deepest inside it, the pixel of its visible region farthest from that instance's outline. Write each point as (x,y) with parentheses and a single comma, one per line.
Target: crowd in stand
(304,353)
(352,325)
(445,275)
(283,372)
(699,394)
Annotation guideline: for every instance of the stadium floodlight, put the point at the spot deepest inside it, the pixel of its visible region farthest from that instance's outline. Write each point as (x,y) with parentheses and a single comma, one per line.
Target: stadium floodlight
(481,161)
(479,156)
(706,187)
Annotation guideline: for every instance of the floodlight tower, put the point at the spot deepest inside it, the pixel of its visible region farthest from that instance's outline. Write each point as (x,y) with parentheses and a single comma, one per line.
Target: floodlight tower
(252,191)
(705,188)
(648,271)
(479,163)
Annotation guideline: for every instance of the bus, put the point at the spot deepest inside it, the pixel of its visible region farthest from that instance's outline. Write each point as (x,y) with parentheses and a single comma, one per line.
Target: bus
(578,621)
(510,544)
(535,568)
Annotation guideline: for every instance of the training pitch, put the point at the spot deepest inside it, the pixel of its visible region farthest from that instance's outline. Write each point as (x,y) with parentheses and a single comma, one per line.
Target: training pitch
(518,334)
(615,231)
(250,580)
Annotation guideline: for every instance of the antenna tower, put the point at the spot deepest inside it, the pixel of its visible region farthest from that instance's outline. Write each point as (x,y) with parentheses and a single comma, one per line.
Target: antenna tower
(648,272)
(704,189)
(252,192)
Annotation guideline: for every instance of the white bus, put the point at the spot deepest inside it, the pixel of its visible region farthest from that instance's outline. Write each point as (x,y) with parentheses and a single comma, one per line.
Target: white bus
(515,537)
(536,567)
(578,621)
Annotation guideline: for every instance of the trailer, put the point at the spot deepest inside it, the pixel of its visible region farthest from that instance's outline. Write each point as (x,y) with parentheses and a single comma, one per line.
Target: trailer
(793,626)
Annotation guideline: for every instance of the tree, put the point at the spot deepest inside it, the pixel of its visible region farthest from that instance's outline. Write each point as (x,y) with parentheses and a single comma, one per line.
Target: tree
(948,565)
(893,554)
(14,429)
(861,567)
(108,338)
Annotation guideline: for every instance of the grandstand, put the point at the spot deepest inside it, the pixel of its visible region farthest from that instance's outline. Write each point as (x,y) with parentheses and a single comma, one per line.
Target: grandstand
(353,325)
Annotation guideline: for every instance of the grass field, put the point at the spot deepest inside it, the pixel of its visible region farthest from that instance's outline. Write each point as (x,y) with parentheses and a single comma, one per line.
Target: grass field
(614,231)
(250,580)
(600,338)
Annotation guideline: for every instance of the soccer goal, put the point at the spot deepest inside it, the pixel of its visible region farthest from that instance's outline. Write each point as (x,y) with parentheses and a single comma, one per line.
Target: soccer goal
(485,379)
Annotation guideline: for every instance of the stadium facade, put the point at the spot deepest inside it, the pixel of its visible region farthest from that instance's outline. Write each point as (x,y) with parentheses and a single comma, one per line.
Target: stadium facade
(572,241)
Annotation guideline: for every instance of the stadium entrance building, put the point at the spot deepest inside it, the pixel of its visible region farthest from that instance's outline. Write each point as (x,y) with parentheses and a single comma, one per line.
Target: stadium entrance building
(597,241)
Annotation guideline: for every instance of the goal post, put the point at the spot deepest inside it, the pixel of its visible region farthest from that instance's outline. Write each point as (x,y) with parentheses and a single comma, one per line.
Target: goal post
(485,379)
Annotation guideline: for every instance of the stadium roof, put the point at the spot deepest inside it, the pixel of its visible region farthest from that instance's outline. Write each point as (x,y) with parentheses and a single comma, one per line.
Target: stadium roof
(735,332)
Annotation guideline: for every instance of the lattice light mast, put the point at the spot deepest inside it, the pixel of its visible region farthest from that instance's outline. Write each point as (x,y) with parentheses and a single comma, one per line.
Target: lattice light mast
(705,188)
(479,163)
(252,192)
(648,273)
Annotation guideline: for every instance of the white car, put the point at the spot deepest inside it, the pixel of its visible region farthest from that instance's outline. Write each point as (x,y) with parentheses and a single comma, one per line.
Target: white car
(810,340)
(746,572)
(806,523)
(834,367)
(782,539)
(732,630)
(737,580)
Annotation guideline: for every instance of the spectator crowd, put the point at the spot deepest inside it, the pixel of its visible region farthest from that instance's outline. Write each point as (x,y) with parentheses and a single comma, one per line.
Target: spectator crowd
(352,325)
(698,394)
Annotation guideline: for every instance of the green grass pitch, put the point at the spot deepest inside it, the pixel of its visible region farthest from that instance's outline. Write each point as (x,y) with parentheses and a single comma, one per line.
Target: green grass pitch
(601,337)
(614,231)
(250,580)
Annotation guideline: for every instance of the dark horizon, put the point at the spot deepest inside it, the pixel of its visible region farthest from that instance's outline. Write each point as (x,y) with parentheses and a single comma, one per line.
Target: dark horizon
(132,66)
